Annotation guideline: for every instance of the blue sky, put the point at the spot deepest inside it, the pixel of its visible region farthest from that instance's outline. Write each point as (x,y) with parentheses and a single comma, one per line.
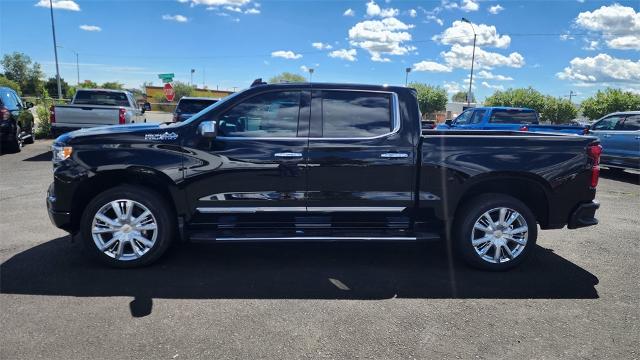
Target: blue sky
(554,46)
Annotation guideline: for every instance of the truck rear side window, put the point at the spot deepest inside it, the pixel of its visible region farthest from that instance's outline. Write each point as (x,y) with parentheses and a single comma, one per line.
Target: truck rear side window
(272,114)
(513,117)
(354,114)
(193,106)
(101,98)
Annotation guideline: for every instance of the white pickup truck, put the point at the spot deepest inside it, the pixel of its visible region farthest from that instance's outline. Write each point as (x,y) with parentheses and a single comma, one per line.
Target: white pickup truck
(96,107)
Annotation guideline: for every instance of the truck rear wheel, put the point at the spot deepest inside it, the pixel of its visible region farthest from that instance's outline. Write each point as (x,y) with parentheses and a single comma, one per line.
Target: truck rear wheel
(127,226)
(494,232)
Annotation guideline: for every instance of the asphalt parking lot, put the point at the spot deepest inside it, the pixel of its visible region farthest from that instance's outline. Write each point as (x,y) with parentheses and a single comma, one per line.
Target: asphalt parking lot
(578,298)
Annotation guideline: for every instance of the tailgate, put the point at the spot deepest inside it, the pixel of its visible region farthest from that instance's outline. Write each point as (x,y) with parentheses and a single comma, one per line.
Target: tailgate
(86,116)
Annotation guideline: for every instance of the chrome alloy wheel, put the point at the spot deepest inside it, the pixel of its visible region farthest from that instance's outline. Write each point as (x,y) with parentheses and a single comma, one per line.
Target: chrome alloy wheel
(499,235)
(124,229)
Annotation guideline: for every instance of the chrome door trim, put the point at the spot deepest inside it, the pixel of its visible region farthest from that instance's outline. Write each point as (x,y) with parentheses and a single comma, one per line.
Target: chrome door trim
(356,208)
(329,238)
(250,210)
(394,155)
(257,209)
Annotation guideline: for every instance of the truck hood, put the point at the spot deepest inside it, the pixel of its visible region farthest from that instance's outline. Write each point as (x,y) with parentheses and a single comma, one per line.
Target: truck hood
(144,131)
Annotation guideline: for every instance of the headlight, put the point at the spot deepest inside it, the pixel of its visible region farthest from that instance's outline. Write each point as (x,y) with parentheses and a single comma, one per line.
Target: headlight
(61,153)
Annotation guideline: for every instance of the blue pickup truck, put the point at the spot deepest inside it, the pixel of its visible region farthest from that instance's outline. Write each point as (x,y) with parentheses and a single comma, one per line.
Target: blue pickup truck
(506,118)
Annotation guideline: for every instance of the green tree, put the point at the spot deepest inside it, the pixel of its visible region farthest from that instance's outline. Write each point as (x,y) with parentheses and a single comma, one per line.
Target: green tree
(52,86)
(88,84)
(287,77)
(113,85)
(529,98)
(182,89)
(20,68)
(10,84)
(430,98)
(461,96)
(558,111)
(608,101)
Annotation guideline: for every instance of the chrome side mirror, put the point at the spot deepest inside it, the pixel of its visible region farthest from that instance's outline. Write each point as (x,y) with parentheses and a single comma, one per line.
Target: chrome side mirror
(208,129)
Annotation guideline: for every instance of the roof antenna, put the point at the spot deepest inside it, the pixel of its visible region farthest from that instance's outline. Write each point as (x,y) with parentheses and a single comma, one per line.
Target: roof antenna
(258,82)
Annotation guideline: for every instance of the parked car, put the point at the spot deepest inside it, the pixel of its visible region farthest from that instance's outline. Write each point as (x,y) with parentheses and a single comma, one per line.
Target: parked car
(506,118)
(333,162)
(428,124)
(96,107)
(189,106)
(16,121)
(619,134)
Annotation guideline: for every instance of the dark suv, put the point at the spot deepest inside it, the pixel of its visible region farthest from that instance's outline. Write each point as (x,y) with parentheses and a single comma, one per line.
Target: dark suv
(16,121)
(189,106)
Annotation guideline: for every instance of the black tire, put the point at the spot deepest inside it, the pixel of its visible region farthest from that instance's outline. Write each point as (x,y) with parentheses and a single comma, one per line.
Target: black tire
(165,221)
(466,218)
(15,145)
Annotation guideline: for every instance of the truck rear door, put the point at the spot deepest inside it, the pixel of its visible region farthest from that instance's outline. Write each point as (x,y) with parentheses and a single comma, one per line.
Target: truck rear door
(360,162)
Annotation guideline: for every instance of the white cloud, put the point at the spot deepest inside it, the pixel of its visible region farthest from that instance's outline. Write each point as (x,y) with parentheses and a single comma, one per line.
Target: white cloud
(178,18)
(304,68)
(233,8)
(344,54)
(495,9)
(619,25)
(220,2)
(430,66)
(453,87)
(380,37)
(413,13)
(321,46)
(462,33)
(495,87)
(349,12)
(460,57)
(286,54)
(483,74)
(90,28)
(252,11)
(60,4)
(602,68)
(591,44)
(374,10)
(469,5)
(565,37)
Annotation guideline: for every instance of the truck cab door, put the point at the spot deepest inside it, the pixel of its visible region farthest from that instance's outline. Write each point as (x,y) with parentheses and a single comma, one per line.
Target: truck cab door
(252,175)
(608,131)
(628,139)
(361,162)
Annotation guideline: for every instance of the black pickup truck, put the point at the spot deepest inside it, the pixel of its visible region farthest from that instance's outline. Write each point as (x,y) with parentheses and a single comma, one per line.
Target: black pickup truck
(313,162)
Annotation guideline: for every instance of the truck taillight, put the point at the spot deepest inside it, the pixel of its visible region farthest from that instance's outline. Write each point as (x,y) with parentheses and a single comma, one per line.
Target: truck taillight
(524,128)
(122,116)
(52,114)
(594,152)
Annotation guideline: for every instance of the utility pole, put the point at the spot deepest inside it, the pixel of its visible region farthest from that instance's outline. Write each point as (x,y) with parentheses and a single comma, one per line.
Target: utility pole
(571,95)
(203,78)
(406,77)
(77,62)
(55,50)
(473,57)
(191,82)
(310,74)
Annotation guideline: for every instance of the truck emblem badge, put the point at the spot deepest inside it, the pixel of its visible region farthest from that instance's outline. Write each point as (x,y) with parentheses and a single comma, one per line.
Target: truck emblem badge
(165,136)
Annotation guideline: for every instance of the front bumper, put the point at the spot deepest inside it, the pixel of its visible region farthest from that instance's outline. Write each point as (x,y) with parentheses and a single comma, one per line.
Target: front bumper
(584,215)
(60,219)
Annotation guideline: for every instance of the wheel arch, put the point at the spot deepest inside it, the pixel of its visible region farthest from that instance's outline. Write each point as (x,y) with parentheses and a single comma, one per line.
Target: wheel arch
(139,176)
(531,189)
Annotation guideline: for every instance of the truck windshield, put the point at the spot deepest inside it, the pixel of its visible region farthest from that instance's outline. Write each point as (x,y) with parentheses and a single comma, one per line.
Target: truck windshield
(514,117)
(192,106)
(101,98)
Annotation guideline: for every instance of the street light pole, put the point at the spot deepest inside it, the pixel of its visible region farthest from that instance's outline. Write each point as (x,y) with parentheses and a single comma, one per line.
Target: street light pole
(473,57)
(406,77)
(310,74)
(192,71)
(55,50)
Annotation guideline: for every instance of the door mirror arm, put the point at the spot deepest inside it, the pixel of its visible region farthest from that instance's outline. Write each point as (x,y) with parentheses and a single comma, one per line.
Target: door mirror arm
(208,129)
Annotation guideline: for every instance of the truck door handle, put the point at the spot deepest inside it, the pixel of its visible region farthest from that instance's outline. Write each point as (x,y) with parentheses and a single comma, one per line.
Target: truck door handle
(288,155)
(394,155)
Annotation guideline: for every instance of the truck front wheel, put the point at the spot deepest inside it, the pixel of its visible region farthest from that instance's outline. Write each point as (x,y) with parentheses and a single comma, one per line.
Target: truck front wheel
(494,232)
(127,226)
